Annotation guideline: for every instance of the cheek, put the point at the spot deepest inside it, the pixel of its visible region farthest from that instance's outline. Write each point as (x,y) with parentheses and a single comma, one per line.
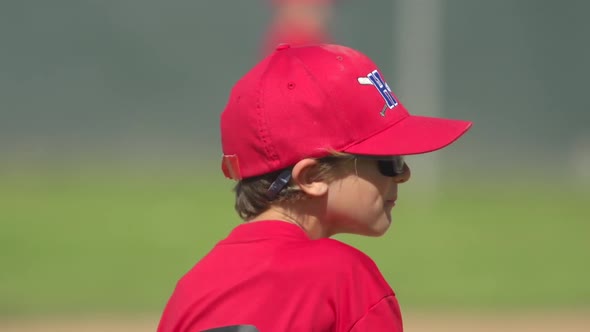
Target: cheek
(356,200)
(374,181)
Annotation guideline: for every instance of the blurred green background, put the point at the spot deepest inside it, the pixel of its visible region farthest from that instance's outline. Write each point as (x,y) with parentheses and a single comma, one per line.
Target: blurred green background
(109,182)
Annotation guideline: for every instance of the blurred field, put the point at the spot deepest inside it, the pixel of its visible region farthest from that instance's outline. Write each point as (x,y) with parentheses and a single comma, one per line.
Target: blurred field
(76,243)
(424,322)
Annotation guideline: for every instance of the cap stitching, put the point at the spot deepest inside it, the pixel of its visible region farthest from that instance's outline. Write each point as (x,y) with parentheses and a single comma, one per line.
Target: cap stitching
(312,76)
(326,95)
(263,132)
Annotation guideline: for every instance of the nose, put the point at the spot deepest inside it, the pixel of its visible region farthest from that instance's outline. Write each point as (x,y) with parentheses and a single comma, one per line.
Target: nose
(404,176)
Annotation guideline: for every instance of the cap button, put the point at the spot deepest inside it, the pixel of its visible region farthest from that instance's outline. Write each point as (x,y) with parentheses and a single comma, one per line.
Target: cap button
(282,47)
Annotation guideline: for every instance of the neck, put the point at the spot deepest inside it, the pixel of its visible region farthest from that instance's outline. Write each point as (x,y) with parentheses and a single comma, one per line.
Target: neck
(308,222)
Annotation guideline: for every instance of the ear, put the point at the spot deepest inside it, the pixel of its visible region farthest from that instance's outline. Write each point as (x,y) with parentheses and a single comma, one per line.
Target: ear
(302,175)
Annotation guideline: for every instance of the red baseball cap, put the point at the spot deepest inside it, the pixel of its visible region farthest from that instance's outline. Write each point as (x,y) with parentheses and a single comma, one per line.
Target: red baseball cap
(310,100)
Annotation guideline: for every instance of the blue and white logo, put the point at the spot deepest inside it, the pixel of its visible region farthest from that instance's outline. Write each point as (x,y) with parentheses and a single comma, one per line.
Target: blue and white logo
(374,79)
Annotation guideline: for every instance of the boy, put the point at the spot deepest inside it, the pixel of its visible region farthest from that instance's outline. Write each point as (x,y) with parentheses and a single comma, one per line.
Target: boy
(315,138)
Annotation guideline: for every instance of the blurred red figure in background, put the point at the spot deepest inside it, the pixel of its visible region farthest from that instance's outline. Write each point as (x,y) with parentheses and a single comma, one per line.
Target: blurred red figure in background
(298,22)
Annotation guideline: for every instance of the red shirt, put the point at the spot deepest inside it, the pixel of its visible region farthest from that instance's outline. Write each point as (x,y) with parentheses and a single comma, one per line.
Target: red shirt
(271,275)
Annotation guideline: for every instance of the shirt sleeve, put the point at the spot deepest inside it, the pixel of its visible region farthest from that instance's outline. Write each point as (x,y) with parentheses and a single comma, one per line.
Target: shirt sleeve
(383,316)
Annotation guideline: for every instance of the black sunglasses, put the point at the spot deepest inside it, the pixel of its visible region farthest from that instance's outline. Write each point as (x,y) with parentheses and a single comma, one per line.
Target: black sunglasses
(391,167)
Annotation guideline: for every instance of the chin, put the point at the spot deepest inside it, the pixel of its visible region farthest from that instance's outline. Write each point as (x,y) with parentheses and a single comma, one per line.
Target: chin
(380,228)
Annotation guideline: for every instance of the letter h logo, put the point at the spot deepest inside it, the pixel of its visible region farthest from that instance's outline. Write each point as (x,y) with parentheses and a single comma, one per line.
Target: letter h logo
(383,89)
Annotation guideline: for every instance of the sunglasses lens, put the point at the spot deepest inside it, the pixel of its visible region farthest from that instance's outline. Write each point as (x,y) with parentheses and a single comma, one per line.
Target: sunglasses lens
(391,167)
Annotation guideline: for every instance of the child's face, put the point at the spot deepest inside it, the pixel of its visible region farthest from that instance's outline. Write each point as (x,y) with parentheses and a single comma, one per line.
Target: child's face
(361,202)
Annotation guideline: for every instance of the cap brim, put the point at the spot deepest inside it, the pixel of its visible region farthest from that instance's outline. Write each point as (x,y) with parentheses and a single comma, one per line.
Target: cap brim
(412,135)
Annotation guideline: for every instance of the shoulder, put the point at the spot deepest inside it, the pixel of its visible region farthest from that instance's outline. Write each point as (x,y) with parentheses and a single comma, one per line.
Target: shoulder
(329,251)
(339,252)
(352,282)
(330,259)
(343,257)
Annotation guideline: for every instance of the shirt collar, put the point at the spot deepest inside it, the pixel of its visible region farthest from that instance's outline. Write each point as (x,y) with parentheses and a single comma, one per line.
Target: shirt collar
(265,230)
